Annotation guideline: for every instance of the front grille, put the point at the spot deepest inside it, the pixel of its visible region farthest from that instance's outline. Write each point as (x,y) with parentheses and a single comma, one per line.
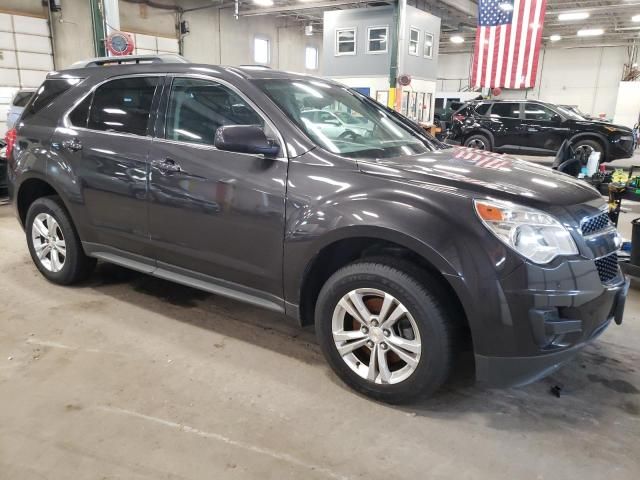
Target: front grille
(607,267)
(595,224)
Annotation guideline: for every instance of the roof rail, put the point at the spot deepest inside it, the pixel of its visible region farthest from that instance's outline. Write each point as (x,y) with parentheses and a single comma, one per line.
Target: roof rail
(129,60)
(256,67)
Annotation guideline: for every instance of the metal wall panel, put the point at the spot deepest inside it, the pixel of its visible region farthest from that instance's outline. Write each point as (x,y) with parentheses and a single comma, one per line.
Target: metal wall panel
(26,55)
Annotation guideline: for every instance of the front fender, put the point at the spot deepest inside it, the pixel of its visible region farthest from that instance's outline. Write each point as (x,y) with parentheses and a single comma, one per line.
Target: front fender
(591,135)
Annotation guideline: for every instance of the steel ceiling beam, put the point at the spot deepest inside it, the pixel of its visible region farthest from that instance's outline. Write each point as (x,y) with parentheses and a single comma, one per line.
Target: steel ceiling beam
(304,6)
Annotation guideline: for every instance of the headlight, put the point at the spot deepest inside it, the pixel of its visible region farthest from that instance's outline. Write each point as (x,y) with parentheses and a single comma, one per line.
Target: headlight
(532,233)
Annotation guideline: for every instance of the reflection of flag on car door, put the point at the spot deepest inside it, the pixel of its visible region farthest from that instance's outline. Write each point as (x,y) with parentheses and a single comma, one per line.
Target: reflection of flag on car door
(508,43)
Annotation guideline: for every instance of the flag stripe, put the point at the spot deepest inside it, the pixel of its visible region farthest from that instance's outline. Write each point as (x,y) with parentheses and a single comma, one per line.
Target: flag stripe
(512,45)
(535,52)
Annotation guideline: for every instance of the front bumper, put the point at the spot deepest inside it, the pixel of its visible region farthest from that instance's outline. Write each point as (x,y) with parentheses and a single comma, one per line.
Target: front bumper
(621,147)
(559,337)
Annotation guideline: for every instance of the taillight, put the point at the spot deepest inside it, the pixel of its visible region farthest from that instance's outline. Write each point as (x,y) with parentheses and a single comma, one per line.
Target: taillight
(10,139)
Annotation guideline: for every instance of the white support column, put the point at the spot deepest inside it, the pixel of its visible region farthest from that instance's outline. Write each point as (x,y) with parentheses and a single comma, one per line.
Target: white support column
(111,15)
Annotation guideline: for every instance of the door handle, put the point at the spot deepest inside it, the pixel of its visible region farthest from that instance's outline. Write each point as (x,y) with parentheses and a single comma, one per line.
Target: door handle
(72,144)
(167,165)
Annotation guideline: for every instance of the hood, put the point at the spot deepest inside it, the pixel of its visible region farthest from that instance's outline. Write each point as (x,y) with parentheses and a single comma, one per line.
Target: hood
(485,174)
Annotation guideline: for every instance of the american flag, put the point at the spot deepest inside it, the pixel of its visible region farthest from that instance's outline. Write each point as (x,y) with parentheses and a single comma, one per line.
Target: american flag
(508,43)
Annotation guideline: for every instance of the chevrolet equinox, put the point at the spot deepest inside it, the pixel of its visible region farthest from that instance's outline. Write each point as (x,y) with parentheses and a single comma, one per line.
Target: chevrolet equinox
(402,251)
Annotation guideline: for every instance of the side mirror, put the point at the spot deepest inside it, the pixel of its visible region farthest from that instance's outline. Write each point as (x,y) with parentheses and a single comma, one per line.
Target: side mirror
(244,139)
(556,118)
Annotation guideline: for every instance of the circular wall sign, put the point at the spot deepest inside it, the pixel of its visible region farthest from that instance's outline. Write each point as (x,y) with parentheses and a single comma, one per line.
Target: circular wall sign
(404,79)
(119,43)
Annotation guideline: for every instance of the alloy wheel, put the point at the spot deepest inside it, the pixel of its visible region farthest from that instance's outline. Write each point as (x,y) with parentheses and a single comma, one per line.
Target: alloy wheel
(376,336)
(48,242)
(477,144)
(584,151)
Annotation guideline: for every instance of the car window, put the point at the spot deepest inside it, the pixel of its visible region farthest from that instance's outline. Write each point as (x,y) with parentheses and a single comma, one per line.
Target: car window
(326,117)
(123,105)
(46,94)
(79,117)
(506,110)
(381,135)
(534,111)
(482,108)
(21,99)
(197,108)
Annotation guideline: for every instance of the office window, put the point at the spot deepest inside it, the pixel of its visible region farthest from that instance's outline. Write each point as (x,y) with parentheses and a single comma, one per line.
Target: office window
(346,41)
(428,45)
(414,41)
(311,58)
(261,50)
(377,39)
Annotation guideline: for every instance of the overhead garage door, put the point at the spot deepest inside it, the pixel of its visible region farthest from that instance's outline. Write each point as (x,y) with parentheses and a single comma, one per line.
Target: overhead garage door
(25,57)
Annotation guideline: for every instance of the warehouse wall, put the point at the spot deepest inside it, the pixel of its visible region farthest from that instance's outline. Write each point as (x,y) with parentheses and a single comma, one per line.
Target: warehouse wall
(216,37)
(72,33)
(141,18)
(23,7)
(586,77)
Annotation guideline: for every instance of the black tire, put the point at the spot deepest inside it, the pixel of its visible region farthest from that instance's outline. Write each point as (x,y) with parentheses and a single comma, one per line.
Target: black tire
(77,266)
(479,142)
(425,302)
(586,145)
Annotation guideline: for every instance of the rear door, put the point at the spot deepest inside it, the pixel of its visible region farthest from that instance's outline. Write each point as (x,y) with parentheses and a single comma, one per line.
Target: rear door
(216,215)
(106,145)
(505,120)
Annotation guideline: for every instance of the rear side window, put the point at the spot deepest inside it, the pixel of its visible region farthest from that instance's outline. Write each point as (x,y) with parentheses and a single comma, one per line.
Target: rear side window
(46,94)
(506,110)
(21,99)
(80,115)
(122,105)
(482,108)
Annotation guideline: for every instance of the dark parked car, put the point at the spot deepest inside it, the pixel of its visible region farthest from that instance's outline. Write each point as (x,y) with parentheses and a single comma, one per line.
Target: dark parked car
(536,128)
(401,250)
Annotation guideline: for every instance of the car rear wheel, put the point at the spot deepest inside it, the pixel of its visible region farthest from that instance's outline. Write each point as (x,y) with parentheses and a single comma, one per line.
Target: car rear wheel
(54,244)
(479,142)
(384,331)
(584,148)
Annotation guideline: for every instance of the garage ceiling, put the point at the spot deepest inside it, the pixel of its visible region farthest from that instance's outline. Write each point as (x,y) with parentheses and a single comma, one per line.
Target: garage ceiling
(459,18)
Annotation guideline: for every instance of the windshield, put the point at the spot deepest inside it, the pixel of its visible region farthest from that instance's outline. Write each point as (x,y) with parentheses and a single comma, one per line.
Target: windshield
(571,112)
(341,121)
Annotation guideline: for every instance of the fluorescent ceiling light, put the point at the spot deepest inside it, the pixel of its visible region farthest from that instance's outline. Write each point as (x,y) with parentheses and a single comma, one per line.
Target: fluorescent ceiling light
(263,3)
(573,16)
(590,32)
(635,18)
(457,39)
(555,38)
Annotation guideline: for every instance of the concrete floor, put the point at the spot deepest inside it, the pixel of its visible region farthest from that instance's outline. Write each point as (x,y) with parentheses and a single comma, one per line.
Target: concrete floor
(131,377)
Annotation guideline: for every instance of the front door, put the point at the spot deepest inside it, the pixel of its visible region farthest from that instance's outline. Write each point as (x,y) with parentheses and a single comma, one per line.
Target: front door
(214,213)
(106,147)
(543,130)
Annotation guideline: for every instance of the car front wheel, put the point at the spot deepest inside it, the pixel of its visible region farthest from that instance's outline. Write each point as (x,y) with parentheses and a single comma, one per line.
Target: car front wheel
(384,331)
(584,149)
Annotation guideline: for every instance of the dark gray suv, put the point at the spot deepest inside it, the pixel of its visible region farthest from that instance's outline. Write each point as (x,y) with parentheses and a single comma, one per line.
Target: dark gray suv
(402,251)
